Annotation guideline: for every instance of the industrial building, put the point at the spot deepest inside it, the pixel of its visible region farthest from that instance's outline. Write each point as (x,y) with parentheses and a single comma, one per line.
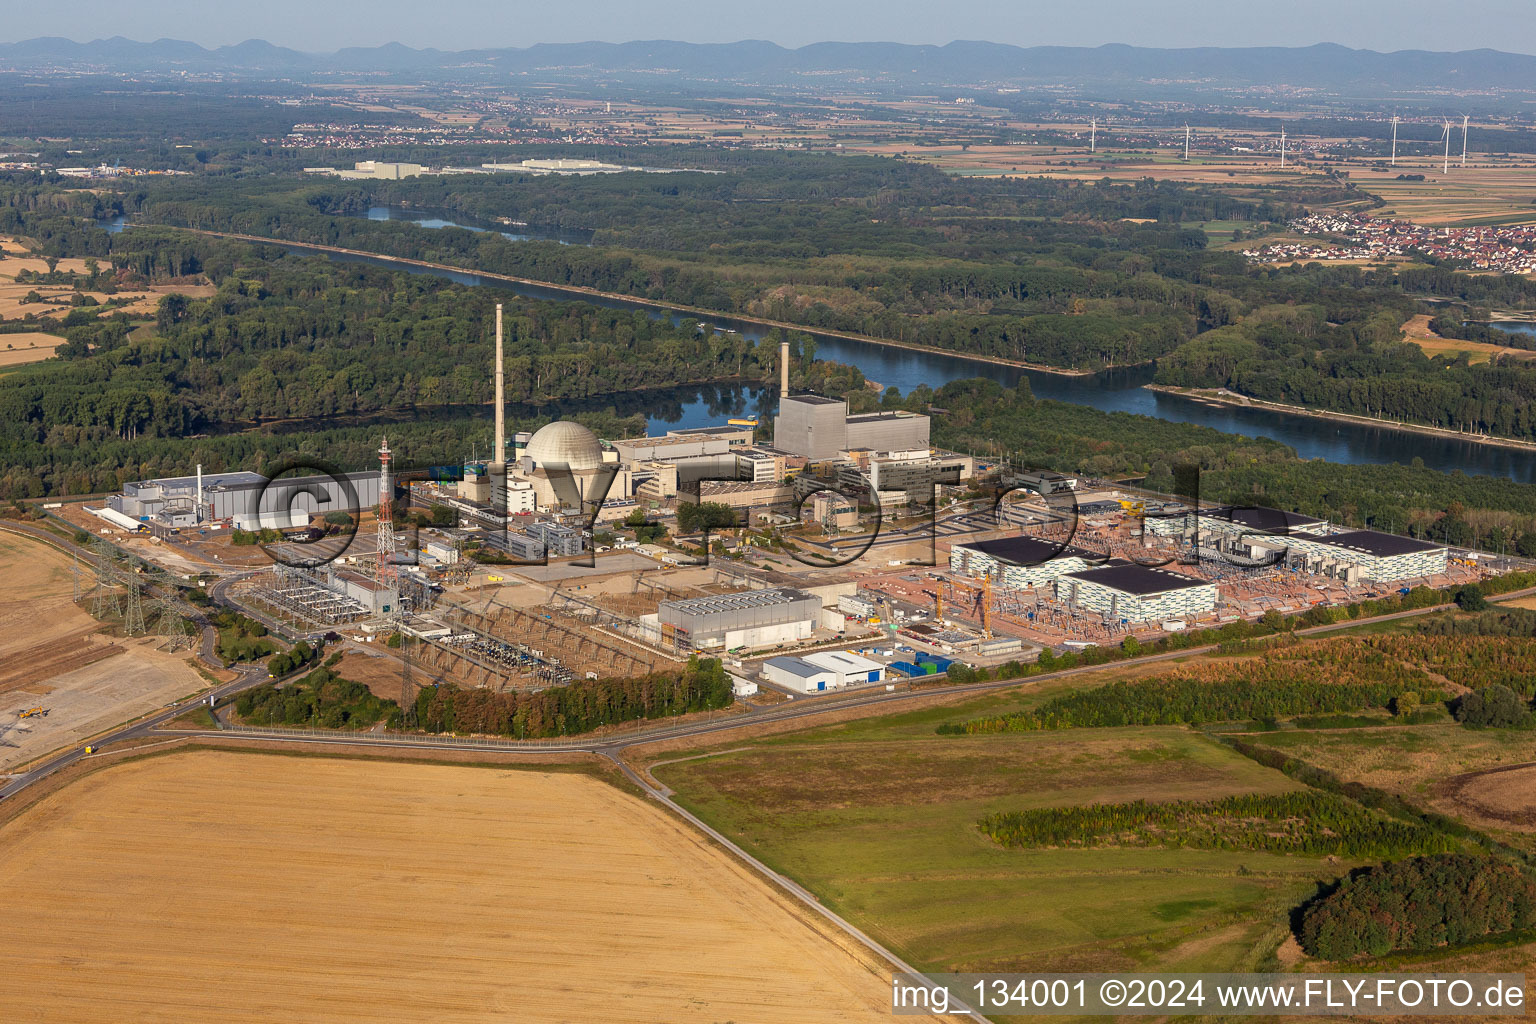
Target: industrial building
(799,675)
(373,169)
(1222,524)
(566,465)
(737,493)
(1020,562)
(249,501)
(754,618)
(915,473)
(850,669)
(820,428)
(1136,593)
(1365,555)
(1045,482)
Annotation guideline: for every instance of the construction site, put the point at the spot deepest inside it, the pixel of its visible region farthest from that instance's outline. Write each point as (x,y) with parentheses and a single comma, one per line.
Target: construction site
(1247,568)
(83,645)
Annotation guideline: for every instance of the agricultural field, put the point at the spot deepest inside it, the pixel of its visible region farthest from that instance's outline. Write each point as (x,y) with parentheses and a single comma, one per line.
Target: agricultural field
(1489,191)
(1482,776)
(396,891)
(28,347)
(880,819)
(53,301)
(1417,331)
(54,656)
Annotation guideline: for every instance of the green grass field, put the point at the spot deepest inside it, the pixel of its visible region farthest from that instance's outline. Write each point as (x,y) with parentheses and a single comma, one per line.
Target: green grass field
(878,818)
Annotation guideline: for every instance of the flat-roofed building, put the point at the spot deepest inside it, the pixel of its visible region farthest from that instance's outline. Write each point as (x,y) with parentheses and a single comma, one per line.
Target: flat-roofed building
(736,493)
(758,466)
(753,618)
(851,669)
(1379,557)
(799,675)
(832,511)
(632,450)
(656,480)
(734,437)
(811,425)
(1020,562)
(1136,593)
(889,431)
(1044,482)
(559,541)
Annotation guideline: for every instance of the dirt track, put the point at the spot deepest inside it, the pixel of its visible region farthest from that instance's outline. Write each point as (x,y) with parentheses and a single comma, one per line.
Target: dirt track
(240,887)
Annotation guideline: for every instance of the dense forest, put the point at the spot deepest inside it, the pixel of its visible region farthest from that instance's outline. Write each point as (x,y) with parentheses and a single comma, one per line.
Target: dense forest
(307,346)
(1418,905)
(322,699)
(1037,271)
(1040,271)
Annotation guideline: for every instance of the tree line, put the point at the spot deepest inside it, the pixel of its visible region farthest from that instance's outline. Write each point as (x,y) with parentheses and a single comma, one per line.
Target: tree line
(1304,823)
(576,707)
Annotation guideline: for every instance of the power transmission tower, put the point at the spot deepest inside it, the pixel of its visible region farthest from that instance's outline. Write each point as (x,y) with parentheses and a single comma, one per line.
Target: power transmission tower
(105,596)
(169,622)
(133,612)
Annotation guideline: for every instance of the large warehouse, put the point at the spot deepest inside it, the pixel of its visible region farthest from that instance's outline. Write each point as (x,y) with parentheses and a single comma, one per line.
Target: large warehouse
(1223,522)
(1367,555)
(753,618)
(249,500)
(851,669)
(1020,561)
(799,675)
(1136,593)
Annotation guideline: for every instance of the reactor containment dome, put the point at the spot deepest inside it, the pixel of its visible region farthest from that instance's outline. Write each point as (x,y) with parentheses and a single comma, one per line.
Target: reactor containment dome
(565,443)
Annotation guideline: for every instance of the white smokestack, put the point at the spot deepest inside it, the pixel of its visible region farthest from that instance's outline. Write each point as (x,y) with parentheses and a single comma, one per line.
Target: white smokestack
(499,453)
(197,506)
(783,369)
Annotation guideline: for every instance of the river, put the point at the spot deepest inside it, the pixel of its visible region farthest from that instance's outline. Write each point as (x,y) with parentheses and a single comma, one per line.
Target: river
(1119,390)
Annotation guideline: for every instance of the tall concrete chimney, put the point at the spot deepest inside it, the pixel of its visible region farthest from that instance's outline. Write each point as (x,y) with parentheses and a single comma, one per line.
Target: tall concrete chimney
(783,369)
(499,453)
(197,506)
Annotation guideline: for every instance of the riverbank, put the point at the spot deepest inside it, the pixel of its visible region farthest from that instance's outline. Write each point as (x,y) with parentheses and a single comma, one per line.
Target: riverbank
(582,291)
(1221,396)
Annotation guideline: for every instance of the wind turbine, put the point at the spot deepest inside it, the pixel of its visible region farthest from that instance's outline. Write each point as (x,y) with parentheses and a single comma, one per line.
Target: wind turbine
(1395,120)
(1464,119)
(1093,135)
(1282,147)
(1446,138)
(1186,143)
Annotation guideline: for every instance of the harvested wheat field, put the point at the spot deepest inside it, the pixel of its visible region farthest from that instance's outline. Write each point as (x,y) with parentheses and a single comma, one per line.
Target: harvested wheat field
(1502,797)
(212,885)
(29,347)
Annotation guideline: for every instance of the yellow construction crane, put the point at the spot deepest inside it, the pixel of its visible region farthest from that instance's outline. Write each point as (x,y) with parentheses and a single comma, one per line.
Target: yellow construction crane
(986,606)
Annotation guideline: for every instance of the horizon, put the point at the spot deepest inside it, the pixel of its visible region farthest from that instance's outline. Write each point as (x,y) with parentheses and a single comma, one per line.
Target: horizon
(211,48)
(1383,26)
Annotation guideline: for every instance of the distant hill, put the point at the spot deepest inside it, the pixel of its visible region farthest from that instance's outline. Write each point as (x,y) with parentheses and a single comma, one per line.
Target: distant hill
(1325,67)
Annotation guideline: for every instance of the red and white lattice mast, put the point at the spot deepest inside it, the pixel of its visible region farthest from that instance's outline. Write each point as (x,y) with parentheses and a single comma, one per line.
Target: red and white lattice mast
(385,545)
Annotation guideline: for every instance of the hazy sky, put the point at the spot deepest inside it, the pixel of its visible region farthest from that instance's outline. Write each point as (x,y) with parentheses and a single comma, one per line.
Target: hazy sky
(322,25)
